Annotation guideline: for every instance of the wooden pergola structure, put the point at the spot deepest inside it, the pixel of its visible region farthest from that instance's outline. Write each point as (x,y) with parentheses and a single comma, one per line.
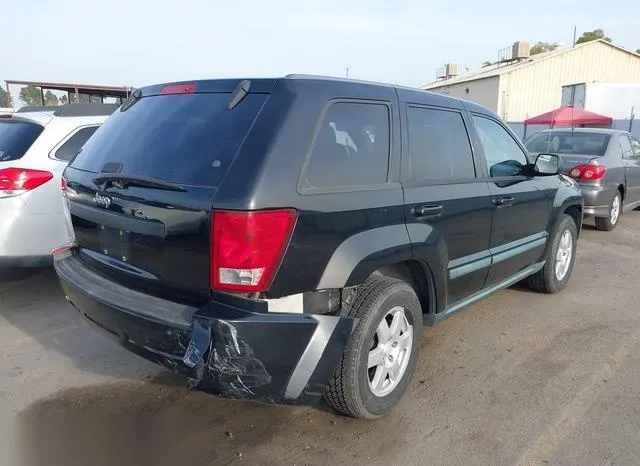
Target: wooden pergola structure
(120,93)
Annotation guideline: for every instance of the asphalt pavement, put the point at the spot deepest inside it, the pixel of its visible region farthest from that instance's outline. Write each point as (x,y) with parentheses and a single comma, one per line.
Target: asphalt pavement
(520,378)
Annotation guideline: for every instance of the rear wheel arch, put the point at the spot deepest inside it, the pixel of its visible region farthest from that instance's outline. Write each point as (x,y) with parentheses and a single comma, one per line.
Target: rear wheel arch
(623,191)
(417,275)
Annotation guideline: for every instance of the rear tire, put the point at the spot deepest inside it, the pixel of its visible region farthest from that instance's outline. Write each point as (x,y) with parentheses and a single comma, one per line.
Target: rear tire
(615,211)
(559,261)
(375,371)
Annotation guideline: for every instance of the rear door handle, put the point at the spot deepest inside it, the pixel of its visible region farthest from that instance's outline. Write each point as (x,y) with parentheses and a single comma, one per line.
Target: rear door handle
(503,201)
(427,211)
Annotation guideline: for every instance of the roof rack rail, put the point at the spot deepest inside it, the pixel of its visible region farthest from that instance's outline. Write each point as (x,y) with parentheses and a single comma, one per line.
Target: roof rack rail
(85,109)
(35,108)
(336,78)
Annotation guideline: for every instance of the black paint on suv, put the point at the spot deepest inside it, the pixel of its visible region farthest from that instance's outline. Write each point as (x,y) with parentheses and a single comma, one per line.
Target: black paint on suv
(286,239)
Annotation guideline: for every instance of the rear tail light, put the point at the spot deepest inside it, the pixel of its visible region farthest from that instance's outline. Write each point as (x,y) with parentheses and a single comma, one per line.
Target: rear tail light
(64,251)
(588,172)
(247,247)
(16,181)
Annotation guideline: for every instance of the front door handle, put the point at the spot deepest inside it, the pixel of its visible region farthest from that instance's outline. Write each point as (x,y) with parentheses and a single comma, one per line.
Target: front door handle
(427,211)
(503,201)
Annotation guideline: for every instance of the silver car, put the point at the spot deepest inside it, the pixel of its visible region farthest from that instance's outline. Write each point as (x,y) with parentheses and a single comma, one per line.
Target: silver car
(36,145)
(604,162)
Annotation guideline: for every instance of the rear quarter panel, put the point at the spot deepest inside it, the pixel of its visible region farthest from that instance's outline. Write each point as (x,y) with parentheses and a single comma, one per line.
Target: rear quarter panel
(47,199)
(333,242)
(612,159)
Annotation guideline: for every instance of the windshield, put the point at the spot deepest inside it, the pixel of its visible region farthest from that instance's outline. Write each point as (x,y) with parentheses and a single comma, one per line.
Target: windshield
(16,137)
(188,139)
(570,142)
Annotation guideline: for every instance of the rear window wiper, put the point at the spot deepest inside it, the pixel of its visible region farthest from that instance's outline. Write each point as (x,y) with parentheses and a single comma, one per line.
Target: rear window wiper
(104,180)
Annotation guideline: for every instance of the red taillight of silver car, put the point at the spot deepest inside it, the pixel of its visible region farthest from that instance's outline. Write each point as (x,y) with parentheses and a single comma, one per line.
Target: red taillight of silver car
(16,181)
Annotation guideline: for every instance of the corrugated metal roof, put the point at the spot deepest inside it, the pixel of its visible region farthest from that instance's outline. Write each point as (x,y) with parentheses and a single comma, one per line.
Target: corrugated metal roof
(89,89)
(497,70)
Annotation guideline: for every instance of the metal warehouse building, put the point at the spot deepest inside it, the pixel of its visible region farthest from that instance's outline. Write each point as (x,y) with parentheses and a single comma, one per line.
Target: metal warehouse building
(521,85)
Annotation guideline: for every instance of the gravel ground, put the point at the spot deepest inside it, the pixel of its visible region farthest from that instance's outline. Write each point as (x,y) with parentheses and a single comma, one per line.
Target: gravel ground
(520,378)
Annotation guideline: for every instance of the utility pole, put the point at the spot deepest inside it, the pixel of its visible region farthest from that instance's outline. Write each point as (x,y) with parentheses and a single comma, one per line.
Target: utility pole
(575,30)
(347,71)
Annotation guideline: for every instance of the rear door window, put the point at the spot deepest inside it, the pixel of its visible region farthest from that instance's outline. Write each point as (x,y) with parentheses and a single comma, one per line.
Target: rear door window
(351,147)
(16,137)
(73,145)
(439,146)
(188,139)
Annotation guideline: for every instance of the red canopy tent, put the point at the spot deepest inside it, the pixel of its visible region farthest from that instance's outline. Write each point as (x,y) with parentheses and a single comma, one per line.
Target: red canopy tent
(568,115)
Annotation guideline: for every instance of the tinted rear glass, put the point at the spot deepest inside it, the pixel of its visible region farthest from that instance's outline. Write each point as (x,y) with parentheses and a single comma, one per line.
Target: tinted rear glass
(16,137)
(184,138)
(352,147)
(574,143)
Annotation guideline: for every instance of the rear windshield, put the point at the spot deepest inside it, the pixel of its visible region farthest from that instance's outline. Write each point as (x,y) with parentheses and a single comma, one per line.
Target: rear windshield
(16,137)
(185,138)
(575,143)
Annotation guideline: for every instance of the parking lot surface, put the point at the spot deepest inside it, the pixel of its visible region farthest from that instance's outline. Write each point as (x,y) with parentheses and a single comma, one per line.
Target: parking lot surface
(520,378)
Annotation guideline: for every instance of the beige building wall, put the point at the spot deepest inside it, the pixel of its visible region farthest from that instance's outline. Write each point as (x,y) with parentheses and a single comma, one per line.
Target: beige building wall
(536,89)
(482,91)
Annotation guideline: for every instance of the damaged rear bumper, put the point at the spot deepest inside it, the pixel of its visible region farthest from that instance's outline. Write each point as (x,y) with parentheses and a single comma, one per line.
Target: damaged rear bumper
(223,347)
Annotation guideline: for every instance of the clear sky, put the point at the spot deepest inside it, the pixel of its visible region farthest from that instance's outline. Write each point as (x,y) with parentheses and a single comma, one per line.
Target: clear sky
(138,42)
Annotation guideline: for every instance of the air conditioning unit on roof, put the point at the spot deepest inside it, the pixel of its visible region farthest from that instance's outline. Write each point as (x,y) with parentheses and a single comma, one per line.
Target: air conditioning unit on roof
(520,49)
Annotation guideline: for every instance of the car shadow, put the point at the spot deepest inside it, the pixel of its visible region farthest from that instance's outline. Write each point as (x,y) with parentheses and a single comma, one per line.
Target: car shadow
(10,276)
(160,423)
(35,305)
(521,287)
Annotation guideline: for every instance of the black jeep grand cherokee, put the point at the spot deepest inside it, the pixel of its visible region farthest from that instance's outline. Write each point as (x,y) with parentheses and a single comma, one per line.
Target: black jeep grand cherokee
(285,239)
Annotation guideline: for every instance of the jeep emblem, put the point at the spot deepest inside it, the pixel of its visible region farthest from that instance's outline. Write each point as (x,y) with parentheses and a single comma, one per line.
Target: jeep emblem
(102,201)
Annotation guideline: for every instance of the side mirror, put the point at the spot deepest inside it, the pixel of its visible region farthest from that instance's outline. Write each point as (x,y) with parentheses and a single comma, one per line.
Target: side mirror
(547,165)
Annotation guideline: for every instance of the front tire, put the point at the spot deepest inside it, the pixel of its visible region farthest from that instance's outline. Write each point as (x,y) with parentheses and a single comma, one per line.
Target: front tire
(615,211)
(559,261)
(382,352)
